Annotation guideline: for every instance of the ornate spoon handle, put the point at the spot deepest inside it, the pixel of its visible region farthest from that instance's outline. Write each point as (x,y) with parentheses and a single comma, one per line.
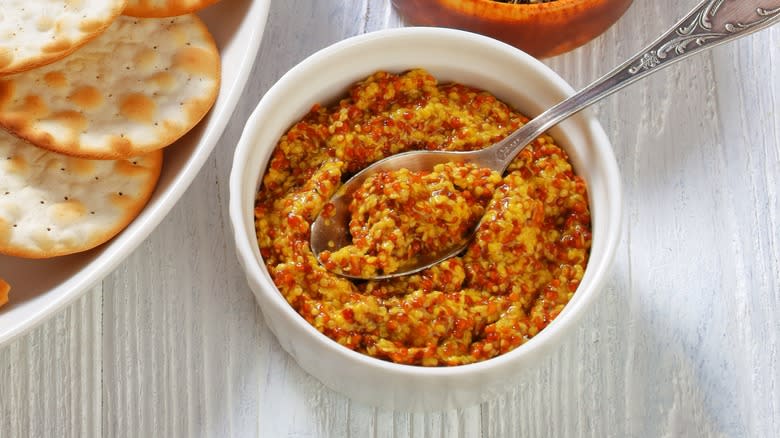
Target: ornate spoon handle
(710,23)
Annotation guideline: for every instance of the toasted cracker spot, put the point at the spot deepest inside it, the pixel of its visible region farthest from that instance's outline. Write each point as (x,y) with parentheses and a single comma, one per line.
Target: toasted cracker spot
(126,167)
(73,121)
(53,165)
(178,33)
(120,145)
(5,231)
(164,8)
(6,57)
(4,289)
(138,108)
(146,60)
(17,164)
(39,32)
(6,92)
(55,79)
(59,45)
(170,126)
(67,212)
(120,200)
(195,60)
(163,80)
(194,107)
(81,167)
(34,107)
(87,97)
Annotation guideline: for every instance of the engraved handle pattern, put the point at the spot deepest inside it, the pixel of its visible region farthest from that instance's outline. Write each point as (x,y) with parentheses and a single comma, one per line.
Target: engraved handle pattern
(697,31)
(710,23)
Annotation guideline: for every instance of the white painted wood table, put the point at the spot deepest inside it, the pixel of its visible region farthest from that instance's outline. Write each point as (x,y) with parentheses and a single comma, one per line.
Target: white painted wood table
(684,341)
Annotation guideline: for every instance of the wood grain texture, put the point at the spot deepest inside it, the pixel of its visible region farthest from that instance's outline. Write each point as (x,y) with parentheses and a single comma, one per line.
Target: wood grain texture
(50,379)
(684,340)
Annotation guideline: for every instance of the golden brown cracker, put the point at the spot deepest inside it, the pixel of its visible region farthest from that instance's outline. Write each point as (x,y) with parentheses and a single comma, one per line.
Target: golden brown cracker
(52,204)
(137,88)
(37,32)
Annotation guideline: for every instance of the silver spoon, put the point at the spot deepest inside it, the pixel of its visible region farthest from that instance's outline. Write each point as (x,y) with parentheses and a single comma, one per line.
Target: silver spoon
(710,23)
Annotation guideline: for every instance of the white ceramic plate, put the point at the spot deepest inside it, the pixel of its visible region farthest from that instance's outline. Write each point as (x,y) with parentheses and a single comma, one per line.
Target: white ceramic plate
(41,287)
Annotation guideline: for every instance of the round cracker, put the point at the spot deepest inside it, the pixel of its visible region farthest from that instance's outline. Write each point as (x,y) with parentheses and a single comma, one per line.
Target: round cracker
(138,87)
(37,32)
(52,204)
(164,8)
(4,289)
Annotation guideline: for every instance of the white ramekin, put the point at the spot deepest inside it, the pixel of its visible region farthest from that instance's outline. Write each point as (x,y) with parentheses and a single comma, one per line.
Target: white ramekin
(450,55)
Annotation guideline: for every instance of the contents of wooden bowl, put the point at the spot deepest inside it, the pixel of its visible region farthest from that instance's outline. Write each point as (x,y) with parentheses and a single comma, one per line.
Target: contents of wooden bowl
(540,28)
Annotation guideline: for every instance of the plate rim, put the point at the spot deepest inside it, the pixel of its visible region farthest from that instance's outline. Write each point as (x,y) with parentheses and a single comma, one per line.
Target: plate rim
(139,230)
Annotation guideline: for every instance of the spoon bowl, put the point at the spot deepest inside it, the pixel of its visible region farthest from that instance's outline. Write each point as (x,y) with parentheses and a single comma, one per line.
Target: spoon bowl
(330,232)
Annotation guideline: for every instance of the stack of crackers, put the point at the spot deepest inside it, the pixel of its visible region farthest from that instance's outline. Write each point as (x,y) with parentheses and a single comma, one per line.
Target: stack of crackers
(91,91)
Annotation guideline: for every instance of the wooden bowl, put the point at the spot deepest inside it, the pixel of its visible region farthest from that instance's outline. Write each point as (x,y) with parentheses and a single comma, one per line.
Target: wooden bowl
(540,29)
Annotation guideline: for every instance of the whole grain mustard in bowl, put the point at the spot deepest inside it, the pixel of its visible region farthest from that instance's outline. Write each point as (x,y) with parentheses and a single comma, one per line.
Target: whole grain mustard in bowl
(460,332)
